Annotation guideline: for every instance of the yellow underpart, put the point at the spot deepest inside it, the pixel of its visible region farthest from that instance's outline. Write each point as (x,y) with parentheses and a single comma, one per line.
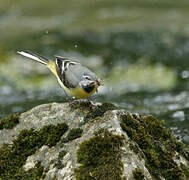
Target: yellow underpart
(77,92)
(52,66)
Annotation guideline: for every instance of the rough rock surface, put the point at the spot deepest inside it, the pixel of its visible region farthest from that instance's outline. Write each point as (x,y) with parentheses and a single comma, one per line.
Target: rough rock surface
(101,142)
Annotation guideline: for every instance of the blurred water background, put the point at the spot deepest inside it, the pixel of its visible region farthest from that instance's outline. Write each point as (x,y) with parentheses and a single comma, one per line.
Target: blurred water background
(139,48)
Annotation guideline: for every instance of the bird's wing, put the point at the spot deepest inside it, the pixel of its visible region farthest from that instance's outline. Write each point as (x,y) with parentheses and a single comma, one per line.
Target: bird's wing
(68,71)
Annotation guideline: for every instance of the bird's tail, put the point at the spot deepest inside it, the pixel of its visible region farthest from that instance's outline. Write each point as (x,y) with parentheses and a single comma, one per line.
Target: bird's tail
(43,60)
(34,56)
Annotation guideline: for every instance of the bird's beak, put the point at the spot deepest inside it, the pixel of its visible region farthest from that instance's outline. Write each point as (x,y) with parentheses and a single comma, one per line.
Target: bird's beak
(96,83)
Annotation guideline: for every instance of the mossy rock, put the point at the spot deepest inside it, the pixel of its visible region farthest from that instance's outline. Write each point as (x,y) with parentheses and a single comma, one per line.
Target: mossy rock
(102,142)
(73,134)
(157,143)
(138,174)
(92,111)
(100,157)
(10,121)
(13,157)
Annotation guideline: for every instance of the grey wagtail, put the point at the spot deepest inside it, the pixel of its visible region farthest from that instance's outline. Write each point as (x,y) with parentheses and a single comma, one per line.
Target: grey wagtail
(76,80)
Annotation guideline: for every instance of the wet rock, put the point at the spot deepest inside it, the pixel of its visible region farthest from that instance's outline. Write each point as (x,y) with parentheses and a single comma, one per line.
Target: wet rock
(179,115)
(80,140)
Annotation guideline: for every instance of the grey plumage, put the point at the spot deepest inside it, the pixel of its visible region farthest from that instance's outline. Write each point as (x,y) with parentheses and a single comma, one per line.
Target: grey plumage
(72,76)
(71,73)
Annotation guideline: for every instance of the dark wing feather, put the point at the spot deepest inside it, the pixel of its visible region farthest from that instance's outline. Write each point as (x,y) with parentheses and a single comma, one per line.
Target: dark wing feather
(64,68)
(59,68)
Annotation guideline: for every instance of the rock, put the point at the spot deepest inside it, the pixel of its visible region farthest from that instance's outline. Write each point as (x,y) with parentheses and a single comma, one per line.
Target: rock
(80,140)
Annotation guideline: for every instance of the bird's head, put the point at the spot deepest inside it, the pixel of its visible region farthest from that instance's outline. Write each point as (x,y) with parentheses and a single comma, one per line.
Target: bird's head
(89,82)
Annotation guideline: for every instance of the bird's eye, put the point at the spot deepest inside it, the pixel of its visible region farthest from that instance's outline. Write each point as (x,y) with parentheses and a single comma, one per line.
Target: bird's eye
(87,77)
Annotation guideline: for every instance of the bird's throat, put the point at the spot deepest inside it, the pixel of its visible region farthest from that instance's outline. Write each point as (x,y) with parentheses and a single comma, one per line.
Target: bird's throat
(89,88)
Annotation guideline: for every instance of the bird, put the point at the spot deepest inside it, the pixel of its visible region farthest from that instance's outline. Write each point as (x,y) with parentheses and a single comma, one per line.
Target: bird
(77,80)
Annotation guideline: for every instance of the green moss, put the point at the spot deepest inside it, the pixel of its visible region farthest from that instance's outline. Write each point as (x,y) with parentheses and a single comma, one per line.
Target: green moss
(80,104)
(134,148)
(99,110)
(10,121)
(73,134)
(59,163)
(34,173)
(12,157)
(100,157)
(157,143)
(185,169)
(152,156)
(138,174)
(92,111)
(51,134)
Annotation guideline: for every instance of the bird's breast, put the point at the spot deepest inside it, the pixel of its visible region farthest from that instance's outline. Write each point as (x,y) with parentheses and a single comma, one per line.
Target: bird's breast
(79,92)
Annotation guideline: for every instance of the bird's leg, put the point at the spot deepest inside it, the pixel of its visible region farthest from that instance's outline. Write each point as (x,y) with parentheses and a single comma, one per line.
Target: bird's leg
(68,98)
(92,99)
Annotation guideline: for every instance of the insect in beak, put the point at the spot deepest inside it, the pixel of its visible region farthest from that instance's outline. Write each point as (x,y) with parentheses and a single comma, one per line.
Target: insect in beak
(98,82)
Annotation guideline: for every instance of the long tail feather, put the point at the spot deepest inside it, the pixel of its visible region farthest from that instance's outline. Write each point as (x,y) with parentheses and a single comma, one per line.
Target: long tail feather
(34,56)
